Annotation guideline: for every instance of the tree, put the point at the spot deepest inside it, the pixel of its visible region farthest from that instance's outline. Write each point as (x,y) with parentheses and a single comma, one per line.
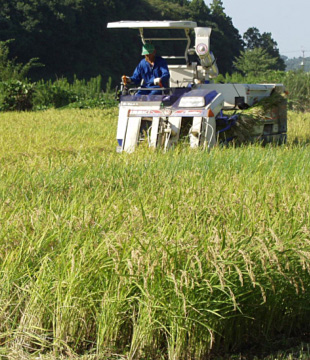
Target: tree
(253,39)
(217,8)
(179,2)
(226,42)
(199,11)
(9,68)
(70,37)
(254,61)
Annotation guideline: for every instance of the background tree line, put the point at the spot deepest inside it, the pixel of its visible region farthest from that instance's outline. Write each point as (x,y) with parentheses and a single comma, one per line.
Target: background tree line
(70,37)
(56,53)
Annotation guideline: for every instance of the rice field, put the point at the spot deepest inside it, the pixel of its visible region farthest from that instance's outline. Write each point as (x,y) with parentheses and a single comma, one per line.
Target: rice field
(151,255)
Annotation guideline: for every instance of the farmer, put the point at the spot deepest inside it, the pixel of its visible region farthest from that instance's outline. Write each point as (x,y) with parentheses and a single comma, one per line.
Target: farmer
(151,72)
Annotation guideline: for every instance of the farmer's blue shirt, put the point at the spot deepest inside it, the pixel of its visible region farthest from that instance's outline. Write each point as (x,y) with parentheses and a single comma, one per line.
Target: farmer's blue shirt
(149,73)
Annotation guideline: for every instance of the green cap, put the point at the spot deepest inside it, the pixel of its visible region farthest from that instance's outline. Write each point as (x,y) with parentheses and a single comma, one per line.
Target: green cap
(147,49)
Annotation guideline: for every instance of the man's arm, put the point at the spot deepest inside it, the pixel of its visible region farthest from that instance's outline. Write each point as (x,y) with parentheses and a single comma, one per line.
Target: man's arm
(165,75)
(137,77)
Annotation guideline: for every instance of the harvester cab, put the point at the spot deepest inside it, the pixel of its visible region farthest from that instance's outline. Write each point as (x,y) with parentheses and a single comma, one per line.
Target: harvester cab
(193,108)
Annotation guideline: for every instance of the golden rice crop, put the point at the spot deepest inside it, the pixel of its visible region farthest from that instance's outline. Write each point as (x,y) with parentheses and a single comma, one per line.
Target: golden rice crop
(151,254)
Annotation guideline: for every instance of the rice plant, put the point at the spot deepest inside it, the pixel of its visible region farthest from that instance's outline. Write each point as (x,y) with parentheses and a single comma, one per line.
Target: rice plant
(152,255)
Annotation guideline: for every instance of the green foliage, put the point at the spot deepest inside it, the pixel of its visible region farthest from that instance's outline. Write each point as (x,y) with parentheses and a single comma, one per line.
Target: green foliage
(57,94)
(217,8)
(70,36)
(298,86)
(16,92)
(16,95)
(253,39)
(199,11)
(24,95)
(254,61)
(9,69)
(226,42)
(78,94)
(179,2)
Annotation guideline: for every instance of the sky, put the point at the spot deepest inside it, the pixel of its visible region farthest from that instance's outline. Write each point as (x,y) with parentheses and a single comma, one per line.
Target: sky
(288,21)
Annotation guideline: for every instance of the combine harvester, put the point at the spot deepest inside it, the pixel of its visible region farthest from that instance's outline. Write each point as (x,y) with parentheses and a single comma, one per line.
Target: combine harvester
(194,109)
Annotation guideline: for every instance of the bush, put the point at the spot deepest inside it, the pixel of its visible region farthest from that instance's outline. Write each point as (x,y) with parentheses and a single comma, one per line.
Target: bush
(80,94)
(16,95)
(24,95)
(57,94)
(10,69)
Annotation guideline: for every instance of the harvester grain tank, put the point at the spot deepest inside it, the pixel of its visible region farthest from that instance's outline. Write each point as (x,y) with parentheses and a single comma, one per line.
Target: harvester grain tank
(194,108)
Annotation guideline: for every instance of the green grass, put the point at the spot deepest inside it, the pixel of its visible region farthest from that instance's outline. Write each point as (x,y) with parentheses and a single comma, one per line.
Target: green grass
(148,255)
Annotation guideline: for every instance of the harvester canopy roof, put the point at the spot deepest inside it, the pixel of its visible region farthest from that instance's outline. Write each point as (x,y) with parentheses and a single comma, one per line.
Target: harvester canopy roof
(167,24)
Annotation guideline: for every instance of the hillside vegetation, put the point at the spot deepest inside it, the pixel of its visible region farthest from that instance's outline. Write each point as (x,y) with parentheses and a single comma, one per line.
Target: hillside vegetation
(148,255)
(70,37)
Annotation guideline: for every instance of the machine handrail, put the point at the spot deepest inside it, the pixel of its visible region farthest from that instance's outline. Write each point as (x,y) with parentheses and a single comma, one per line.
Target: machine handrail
(148,88)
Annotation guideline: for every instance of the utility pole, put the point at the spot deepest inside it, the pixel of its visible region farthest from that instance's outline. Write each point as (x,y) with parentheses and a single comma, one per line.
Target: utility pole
(303,60)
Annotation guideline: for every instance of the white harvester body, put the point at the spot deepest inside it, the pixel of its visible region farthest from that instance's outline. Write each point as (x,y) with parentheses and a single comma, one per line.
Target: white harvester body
(192,107)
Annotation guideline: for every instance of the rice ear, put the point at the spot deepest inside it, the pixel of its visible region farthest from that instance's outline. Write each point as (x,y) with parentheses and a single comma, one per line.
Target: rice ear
(242,131)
